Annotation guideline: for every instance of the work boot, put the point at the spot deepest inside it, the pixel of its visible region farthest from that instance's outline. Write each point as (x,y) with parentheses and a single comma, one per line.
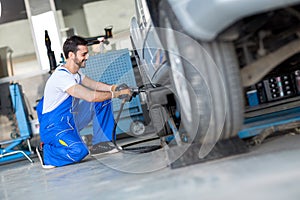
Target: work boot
(103,148)
(40,154)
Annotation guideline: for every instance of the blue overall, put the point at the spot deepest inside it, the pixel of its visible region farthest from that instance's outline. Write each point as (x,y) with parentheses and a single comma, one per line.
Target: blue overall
(59,129)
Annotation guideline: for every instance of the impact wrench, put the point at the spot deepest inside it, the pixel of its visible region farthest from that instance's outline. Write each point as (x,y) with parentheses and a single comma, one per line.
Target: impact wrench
(135,150)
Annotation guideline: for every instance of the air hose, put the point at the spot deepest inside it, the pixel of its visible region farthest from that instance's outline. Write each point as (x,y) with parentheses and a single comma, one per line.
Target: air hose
(124,148)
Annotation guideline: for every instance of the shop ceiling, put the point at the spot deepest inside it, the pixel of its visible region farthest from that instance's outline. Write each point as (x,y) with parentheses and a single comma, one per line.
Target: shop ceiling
(13,10)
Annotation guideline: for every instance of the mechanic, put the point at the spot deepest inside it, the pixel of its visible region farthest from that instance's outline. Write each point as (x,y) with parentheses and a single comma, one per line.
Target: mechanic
(66,108)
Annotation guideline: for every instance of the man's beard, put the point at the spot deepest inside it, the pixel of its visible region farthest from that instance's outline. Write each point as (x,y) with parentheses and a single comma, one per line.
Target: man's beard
(80,64)
(83,63)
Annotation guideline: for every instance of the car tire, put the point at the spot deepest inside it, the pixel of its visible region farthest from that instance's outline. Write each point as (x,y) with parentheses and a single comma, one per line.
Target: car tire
(212,85)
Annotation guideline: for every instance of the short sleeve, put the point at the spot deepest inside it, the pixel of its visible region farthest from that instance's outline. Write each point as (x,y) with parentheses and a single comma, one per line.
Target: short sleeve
(64,80)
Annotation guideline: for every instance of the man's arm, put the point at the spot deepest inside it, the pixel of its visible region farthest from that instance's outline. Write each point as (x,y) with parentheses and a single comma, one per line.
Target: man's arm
(86,94)
(94,85)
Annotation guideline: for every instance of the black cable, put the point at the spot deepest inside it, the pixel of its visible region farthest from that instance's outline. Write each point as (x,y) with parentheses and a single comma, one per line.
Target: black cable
(115,126)
(135,150)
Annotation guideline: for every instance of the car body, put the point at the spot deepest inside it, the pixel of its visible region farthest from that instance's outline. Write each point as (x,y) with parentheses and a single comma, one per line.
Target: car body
(219,47)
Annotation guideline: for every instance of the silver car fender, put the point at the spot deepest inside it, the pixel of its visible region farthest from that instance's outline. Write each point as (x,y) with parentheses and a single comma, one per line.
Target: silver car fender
(205,19)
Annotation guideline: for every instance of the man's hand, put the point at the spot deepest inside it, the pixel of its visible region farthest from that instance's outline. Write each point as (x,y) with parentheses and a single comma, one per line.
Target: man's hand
(121,91)
(122,86)
(113,88)
(123,94)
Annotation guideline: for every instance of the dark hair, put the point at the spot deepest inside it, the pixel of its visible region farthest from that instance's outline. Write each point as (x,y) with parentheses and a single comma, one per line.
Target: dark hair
(70,45)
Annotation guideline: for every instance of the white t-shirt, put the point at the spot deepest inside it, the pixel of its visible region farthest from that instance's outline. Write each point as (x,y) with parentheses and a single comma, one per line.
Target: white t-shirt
(56,86)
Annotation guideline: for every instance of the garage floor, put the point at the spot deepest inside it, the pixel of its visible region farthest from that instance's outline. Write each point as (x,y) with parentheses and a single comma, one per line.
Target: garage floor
(269,171)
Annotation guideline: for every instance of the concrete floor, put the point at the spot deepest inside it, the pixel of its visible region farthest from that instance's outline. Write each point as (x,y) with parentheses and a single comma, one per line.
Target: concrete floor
(268,171)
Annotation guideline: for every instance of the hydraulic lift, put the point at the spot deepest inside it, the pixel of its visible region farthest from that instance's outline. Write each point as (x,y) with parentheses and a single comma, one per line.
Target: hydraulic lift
(9,150)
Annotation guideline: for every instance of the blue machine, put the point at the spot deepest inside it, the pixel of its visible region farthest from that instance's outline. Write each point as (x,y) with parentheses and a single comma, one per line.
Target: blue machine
(115,67)
(272,122)
(9,152)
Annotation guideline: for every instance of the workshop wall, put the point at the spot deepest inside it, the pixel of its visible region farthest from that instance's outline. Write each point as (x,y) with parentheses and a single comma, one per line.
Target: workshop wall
(77,21)
(117,13)
(89,21)
(17,36)
(100,14)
